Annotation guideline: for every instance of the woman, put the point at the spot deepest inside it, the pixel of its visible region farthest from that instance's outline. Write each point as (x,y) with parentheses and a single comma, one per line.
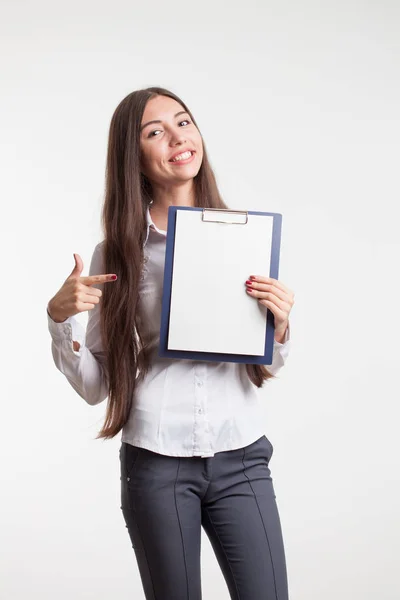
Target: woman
(193,453)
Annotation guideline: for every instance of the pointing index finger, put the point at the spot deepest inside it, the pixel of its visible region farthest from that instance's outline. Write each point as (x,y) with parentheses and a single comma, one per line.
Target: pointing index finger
(91,279)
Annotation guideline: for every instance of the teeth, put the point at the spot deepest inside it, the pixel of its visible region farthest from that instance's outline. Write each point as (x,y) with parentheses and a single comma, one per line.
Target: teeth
(183,156)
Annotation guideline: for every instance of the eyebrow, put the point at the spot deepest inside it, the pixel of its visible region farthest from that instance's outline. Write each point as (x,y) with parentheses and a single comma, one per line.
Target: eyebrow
(181,112)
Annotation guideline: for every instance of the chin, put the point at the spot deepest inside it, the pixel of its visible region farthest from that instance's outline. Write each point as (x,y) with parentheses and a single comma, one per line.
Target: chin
(187,172)
(188,175)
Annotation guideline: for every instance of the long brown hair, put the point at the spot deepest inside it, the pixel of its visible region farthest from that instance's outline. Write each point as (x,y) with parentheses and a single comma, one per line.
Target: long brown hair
(127,195)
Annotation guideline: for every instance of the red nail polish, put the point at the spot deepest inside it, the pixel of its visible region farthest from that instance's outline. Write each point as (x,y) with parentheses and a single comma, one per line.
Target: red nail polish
(248,283)
(249,289)
(113,277)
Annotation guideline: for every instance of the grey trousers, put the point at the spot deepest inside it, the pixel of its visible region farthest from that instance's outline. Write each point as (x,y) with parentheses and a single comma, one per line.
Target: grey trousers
(166,500)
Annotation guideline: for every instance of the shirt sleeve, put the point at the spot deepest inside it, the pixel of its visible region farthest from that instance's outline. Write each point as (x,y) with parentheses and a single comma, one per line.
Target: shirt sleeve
(280,353)
(84,369)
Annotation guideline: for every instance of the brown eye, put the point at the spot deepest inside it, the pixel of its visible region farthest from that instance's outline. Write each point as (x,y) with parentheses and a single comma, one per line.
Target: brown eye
(151,133)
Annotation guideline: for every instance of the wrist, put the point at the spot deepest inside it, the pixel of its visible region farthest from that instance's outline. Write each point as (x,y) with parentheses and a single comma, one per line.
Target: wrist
(280,333)
(53,314)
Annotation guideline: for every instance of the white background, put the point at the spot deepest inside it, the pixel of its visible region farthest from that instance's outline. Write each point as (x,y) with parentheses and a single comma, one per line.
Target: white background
(298,103)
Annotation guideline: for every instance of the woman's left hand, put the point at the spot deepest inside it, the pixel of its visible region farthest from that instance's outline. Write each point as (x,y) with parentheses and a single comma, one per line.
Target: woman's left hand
(275,296)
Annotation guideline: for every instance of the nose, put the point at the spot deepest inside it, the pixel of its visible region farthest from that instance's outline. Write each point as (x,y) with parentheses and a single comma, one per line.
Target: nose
(178,137)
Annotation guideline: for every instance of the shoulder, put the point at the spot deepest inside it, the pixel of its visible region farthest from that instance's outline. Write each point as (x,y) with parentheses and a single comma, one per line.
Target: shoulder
(97,261)
(99,248)
(100,245)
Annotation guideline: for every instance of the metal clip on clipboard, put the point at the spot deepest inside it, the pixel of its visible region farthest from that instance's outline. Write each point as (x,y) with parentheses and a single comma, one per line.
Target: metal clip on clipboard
(225,211)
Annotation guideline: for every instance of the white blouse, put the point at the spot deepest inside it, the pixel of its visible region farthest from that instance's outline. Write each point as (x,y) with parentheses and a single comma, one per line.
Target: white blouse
(183,407)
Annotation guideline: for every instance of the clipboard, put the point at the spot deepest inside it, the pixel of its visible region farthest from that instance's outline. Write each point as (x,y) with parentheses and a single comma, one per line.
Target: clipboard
(206,313)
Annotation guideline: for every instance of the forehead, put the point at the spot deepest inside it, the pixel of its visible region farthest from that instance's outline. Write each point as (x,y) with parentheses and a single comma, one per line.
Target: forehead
(160,107)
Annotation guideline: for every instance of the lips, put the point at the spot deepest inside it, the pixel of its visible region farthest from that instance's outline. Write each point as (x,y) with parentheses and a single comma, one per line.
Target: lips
(181,152)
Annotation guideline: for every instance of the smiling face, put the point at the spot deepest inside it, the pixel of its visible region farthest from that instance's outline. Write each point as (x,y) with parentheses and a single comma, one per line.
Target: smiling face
(174,133)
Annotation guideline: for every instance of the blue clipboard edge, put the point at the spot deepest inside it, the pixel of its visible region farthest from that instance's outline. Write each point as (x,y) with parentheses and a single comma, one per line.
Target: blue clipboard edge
(166,299)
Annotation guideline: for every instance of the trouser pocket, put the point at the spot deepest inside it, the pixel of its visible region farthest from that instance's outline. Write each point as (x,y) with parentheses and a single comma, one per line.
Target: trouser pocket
(129,456)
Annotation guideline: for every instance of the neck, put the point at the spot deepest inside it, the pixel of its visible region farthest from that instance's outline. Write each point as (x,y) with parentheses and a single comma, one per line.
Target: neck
(166,196)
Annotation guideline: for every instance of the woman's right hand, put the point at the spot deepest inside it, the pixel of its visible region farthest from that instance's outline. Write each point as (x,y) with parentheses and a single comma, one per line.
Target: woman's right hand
(76,294)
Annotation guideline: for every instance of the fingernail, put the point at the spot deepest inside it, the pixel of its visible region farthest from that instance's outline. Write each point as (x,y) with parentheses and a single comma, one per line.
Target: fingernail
(248,283)
(113,277)
(252,277)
